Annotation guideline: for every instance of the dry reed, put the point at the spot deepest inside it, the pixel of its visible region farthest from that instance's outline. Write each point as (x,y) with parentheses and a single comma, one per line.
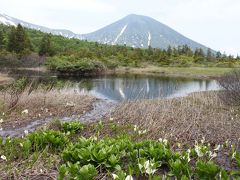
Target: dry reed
(183,119)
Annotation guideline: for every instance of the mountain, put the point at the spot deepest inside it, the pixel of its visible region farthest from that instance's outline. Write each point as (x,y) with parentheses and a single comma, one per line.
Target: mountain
(133,30)
(141,31)
(7,20)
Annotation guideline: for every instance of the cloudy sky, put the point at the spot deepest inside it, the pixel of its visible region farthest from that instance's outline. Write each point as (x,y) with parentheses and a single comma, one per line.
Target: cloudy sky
(214,23)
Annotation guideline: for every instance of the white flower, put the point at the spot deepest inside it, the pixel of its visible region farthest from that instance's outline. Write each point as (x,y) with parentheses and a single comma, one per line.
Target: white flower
(164,141)
(1,121)
(3,113)
(26,132)
(213,155)
(115,176)
(233,155)
(227,143)
(94,138)
(3,158)
(41,171)
(187,157)
(129,177)
(111,119)
(198,151)
(147,167)
(217,148)
(25,111)
(135,128)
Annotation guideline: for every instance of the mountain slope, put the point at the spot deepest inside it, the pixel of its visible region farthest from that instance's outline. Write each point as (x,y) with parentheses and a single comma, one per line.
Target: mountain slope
(141,31)
(7,20)
(133,30)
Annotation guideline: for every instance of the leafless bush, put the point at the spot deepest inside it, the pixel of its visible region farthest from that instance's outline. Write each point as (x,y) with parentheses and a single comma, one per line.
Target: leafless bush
(231,88)
(14,92)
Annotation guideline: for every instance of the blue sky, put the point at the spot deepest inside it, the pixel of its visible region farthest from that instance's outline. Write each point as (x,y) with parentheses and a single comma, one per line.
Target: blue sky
(214,23)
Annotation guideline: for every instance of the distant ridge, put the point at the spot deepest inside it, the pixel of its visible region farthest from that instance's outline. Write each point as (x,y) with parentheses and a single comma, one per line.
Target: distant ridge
(132,30)
(7,20)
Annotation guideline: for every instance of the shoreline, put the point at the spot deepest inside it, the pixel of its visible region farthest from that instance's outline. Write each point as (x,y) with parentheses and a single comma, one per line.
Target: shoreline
(182,72)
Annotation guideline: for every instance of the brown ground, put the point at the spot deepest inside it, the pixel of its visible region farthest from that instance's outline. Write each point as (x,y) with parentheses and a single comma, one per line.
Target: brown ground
(4,78)
(42,104)
(183,119)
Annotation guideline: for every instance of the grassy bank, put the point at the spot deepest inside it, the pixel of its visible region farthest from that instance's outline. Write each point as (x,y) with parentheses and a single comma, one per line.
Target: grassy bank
(188,72)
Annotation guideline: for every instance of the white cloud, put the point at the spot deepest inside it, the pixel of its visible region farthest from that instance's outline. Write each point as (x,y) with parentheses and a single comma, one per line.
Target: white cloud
(214,23)
(95,6)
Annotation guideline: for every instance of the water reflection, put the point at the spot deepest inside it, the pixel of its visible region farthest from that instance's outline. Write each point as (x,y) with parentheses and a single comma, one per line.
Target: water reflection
(132,87)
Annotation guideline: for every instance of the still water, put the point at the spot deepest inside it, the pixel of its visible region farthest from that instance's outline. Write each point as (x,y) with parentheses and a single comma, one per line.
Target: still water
(133,87)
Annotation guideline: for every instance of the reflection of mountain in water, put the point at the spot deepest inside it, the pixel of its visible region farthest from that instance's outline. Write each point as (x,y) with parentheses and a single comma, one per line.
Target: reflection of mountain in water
(147,87)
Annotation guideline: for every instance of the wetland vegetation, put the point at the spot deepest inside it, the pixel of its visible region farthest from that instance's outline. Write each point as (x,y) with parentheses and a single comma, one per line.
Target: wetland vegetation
(48,130)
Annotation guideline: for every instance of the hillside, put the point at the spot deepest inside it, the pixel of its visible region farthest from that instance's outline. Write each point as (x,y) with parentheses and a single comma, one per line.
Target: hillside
(133,30)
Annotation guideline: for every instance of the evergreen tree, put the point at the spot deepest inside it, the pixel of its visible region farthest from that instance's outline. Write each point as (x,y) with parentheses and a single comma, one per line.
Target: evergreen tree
(199,55)
(218,55)
(209,55)
(46,46)
(12,40)
(2,45)
(19,41)
(169,51)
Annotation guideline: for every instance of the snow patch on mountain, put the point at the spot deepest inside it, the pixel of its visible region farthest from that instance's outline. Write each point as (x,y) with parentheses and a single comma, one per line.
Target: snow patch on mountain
(10,21)
(149,38)
(6,21)
(120,34)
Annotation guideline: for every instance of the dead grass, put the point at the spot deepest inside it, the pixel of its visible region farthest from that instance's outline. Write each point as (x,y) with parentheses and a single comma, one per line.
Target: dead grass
(183,119)
(42,165)
(4,78)
(185,72)
(42,104)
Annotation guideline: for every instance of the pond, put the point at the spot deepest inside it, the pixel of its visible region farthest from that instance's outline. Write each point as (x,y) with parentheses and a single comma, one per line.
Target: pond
(134,87)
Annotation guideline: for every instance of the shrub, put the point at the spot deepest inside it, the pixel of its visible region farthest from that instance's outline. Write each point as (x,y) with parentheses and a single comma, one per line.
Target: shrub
(74,66)
(231,88)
